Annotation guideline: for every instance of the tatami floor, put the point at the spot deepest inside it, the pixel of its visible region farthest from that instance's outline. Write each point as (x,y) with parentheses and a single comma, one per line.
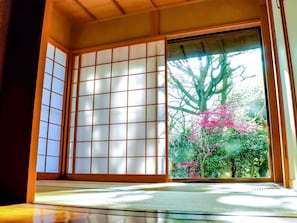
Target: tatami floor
(243,202)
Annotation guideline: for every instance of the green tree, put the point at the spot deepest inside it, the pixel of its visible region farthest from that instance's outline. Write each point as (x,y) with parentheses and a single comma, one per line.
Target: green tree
(193,82)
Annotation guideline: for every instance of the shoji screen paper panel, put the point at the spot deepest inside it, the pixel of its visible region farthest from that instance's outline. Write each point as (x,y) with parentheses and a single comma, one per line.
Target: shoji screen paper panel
(51,111)
(117,121)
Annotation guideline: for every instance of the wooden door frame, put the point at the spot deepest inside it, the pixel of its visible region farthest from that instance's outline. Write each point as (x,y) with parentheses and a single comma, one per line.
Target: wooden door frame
(275,152)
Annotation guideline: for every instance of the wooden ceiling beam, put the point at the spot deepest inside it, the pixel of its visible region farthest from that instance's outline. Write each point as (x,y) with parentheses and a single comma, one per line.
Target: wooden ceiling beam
(153,4)
(81,11)
(119,7)
(91,15)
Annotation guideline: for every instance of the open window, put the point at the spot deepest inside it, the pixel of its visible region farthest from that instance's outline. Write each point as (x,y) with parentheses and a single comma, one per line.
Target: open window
(218,119)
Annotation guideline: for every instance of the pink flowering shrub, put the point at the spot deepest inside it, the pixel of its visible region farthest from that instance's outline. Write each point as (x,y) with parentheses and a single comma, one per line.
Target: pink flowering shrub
(191,168)
(208,129)
(218,120)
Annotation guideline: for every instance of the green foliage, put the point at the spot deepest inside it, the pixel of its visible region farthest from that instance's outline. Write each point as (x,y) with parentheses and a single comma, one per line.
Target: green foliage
(220,154)
(180,150)
(241,156)
(248,153)
(216,165)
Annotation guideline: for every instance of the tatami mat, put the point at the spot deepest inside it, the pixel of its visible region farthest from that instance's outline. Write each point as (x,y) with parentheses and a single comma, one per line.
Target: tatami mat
(256,199)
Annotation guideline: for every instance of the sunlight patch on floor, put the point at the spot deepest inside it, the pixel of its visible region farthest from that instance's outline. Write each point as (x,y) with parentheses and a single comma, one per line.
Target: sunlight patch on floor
(148,186)
(250,201)
(86,197)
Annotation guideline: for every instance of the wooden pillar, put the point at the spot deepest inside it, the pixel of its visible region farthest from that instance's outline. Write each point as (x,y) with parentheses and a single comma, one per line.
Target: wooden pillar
(17,93)
(5,7)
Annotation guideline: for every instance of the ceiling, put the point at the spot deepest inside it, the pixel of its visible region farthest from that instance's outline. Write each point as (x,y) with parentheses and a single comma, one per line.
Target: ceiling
(83,11)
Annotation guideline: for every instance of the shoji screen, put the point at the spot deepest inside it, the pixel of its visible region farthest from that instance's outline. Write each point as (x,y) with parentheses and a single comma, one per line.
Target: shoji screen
(118,111)
(51,111)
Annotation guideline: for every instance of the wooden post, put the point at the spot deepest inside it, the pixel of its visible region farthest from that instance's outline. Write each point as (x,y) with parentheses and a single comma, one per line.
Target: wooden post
(17,95)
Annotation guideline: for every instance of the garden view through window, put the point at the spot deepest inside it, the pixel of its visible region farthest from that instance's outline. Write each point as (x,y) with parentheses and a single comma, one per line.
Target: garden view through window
(217,107)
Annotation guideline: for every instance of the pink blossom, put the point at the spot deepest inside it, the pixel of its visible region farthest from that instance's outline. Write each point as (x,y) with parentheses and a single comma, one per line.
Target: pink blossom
(219,119)
(193,138)
(188,164)
(194,175)
(191,167)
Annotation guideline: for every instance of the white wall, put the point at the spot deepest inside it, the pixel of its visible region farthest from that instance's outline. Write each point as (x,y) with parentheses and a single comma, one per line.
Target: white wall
(291,18)
(285,85)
